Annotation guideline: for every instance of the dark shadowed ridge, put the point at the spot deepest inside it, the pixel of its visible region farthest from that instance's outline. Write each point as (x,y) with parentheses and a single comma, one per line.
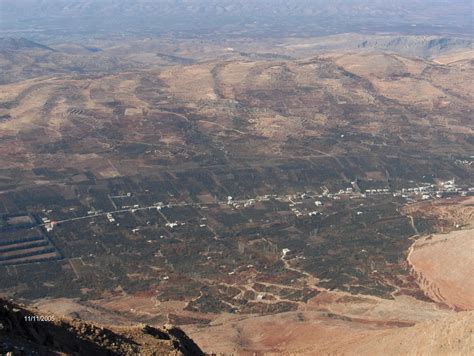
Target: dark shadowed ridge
(15,44)
(22,334)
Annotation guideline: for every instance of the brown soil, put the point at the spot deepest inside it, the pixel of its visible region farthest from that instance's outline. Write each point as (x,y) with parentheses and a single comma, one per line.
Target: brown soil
(444,265)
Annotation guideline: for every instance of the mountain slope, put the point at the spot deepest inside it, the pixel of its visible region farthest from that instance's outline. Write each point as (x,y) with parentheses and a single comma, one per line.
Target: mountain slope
(21,333)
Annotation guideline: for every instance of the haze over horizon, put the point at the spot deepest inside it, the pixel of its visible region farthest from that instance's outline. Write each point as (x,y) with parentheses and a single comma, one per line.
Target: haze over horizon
(54,19)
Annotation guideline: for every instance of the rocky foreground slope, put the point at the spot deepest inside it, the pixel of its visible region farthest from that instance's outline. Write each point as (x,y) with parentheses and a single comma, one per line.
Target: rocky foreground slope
(23,334)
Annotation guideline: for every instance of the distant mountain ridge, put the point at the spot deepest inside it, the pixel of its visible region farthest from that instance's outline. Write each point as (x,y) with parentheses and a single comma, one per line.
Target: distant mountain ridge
(256,18)
(423,47)
(14,44)
(295,7)
(23,59)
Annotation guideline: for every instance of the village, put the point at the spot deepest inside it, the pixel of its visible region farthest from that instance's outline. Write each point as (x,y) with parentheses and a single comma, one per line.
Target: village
(418,192)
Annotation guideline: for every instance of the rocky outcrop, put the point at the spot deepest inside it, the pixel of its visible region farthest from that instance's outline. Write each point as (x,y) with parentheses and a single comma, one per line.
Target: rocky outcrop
(24,331)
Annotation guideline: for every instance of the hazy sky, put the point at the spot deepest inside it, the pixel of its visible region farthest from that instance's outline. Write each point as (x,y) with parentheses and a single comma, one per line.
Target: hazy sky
(72,17)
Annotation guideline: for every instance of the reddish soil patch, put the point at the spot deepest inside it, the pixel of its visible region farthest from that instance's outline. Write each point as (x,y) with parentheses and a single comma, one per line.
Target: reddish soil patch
(444,265)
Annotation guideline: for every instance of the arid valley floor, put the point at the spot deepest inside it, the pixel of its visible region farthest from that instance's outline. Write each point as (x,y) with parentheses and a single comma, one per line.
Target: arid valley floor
(308,195)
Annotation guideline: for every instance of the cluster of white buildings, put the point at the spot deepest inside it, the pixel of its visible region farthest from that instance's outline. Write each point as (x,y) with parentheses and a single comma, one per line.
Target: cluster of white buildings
(411,194)
(48,224)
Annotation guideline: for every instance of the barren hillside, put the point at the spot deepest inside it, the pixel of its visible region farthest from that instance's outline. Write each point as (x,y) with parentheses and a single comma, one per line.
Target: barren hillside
(25,331)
